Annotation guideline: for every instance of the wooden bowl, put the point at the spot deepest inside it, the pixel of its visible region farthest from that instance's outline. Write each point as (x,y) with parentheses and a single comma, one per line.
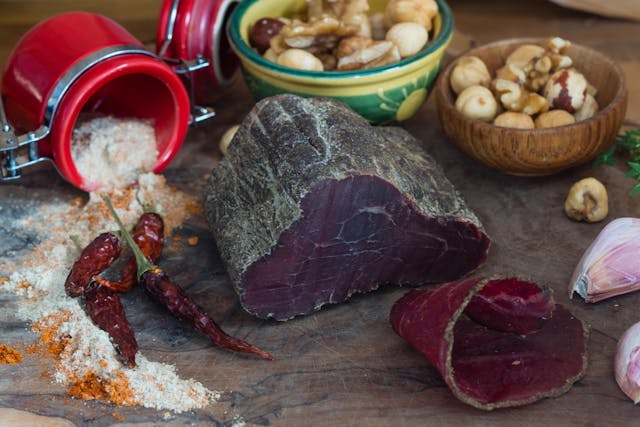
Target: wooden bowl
(538,151)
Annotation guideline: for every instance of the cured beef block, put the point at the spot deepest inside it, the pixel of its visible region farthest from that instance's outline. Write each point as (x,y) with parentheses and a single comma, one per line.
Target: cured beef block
(312,204)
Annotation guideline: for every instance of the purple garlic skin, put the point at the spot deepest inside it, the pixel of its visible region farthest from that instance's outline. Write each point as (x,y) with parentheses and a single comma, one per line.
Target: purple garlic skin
(609,266)
(627,363)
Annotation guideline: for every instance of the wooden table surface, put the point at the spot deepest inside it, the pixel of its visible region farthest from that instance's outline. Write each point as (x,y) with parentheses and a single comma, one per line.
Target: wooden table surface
(344,365)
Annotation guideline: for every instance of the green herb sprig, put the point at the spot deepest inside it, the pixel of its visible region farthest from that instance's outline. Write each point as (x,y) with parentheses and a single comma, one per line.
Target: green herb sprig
(629,142)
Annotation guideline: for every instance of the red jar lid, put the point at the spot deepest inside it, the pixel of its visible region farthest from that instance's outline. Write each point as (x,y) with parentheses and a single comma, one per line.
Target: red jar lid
(193,29)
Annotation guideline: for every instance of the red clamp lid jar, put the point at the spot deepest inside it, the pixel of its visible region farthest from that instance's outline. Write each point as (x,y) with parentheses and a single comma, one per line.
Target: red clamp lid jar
(192,35)
(78,63)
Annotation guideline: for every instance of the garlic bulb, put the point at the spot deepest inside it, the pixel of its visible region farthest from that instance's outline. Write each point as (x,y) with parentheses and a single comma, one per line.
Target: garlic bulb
(609,267)
(627,363)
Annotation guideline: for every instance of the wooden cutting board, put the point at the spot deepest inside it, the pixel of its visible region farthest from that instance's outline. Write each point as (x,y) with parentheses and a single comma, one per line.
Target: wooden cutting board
(626,9)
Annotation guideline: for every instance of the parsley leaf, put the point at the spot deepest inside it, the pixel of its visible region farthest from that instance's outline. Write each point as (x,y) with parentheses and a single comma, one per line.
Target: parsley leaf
(629,142)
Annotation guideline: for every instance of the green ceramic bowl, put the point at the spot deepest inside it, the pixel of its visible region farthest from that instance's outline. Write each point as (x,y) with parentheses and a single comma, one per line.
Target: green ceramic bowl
(382,95)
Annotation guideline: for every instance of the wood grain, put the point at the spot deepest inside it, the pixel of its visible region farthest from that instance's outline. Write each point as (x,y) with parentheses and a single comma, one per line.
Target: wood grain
(538,151)
(344,366)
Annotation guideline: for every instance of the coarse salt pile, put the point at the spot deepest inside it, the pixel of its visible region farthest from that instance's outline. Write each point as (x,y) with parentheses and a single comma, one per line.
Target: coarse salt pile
(112,152)
(86,361)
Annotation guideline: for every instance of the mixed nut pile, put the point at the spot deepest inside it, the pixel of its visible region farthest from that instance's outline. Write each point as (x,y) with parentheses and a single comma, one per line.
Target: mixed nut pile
(536,88)
(341,35)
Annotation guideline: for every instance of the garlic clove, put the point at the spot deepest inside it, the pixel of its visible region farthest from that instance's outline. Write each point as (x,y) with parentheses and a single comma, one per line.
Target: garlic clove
(609,265)
(627,363)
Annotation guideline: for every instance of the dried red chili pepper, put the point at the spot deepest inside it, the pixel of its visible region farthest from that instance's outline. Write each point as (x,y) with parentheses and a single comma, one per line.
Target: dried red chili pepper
(159,286)
(106,310)
(148,234)
(94,259)
(102,305)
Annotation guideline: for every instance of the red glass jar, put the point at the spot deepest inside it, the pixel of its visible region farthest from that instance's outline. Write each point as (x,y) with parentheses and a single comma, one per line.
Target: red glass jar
(78,63)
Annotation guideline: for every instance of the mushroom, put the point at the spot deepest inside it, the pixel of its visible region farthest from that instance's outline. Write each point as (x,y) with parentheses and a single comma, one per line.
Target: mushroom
(587,201)
(477,102)
(469,71)
(409,37)
(511,119)
(554,118)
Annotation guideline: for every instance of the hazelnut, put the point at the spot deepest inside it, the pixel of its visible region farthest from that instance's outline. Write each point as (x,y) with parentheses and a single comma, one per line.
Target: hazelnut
(525,56)
(409,37)
(477,102)
(469,71)
(554,118)
(588,109)
(566,89)
(587,201)
(301,59)
(514,120)
(227,136)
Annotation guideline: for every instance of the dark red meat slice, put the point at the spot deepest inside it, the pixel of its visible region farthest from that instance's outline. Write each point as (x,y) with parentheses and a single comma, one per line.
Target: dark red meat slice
(354,235)
(485,364)
(511,306)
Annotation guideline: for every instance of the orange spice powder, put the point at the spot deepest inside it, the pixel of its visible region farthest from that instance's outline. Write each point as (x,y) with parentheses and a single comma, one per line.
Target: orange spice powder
(47,330)
(9,355)
(93,387)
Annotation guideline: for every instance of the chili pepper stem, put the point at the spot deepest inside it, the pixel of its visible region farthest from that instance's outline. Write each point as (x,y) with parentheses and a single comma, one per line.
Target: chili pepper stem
(143,263)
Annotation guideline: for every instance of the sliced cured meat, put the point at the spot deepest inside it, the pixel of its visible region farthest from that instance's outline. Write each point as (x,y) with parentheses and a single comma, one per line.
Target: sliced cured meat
(497,342)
